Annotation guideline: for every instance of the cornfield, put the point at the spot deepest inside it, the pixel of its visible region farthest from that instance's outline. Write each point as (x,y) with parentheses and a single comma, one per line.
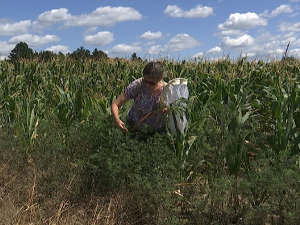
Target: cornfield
(243,137)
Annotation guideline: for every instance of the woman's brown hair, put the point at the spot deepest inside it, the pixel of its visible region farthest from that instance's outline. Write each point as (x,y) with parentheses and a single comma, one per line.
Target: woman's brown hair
(153,69)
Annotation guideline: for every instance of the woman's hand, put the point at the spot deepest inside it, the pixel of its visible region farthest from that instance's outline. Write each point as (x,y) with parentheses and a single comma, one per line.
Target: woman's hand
(164,110)
(121,125)
(121,100)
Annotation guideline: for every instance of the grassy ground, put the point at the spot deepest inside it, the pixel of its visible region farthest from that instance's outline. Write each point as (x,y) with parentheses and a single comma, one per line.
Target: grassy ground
(54,182)
(30,194)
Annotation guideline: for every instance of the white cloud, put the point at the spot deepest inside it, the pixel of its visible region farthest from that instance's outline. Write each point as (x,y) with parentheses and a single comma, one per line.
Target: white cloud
(210,52)
(289,27)
(198,55)
(150,43)
(90,30)
(230,33)
(271,48)
(10,29)
(34,40)
(282,9)
(243,21)
(49,18)
(279,10)
(154,50)
(234,35)
(294,52)
(196,12)
(151,35)
(281,39)
(124,49)
(180,42)
(5,48)
(296,43)
(214,50)
(208,58)
(239,42)
(273,45)
(275,53)
(287,35)
(101,38)
(59,48)
(104,16)
(249,55)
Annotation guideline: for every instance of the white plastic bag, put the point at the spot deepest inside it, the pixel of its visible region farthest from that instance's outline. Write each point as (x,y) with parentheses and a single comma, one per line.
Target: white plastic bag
(175,90)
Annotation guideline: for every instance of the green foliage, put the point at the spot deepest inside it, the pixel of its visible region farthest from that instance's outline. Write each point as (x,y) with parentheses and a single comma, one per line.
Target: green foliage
(21,51)
(242,168)
(285,102)
(99,55)
(46,55)
(80,53)
(139,161)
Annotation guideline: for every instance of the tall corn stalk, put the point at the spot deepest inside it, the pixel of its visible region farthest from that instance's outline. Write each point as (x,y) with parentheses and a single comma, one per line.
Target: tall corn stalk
(284,99)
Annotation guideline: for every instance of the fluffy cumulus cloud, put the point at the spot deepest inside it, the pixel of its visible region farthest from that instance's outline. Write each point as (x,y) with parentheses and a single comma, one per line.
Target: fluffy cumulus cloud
(11,29)
(151,35)
(268,46)
(180,42)
(5,48)
(211,52)
(154,50)
(124,49)
(214,50)
(239,42)
(198,55)
(99,39)
(51,17)
(34,40)
(266,53)
(196,12)
(242,21)
(279,10)
(59,48)
(104,16)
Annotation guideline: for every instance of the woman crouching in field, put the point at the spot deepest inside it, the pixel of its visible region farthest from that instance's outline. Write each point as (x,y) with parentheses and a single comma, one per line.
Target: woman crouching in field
(145,92)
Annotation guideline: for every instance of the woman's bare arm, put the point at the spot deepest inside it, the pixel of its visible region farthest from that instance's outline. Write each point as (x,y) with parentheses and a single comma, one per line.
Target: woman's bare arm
(115,106)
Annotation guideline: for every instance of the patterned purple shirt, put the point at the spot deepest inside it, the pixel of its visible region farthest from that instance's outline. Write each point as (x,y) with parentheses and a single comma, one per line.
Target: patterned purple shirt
(144,102)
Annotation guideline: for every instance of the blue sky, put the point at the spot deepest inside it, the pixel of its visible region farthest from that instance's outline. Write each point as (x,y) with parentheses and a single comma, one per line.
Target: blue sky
(177,29)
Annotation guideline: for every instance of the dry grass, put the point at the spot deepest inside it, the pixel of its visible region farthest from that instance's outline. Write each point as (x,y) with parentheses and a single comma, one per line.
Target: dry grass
(22,200)
(20,204)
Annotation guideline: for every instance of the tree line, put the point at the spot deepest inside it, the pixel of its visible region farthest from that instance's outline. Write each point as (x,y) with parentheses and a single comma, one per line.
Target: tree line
(23,51)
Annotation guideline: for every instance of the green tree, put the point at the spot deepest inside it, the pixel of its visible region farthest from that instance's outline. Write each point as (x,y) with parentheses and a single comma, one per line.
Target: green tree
(81,53)
(46,55)
(21,51)
(134,57)
(99,55)
(61,56)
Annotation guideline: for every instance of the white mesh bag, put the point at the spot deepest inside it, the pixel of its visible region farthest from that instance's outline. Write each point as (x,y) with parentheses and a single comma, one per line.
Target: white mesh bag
(173,93)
